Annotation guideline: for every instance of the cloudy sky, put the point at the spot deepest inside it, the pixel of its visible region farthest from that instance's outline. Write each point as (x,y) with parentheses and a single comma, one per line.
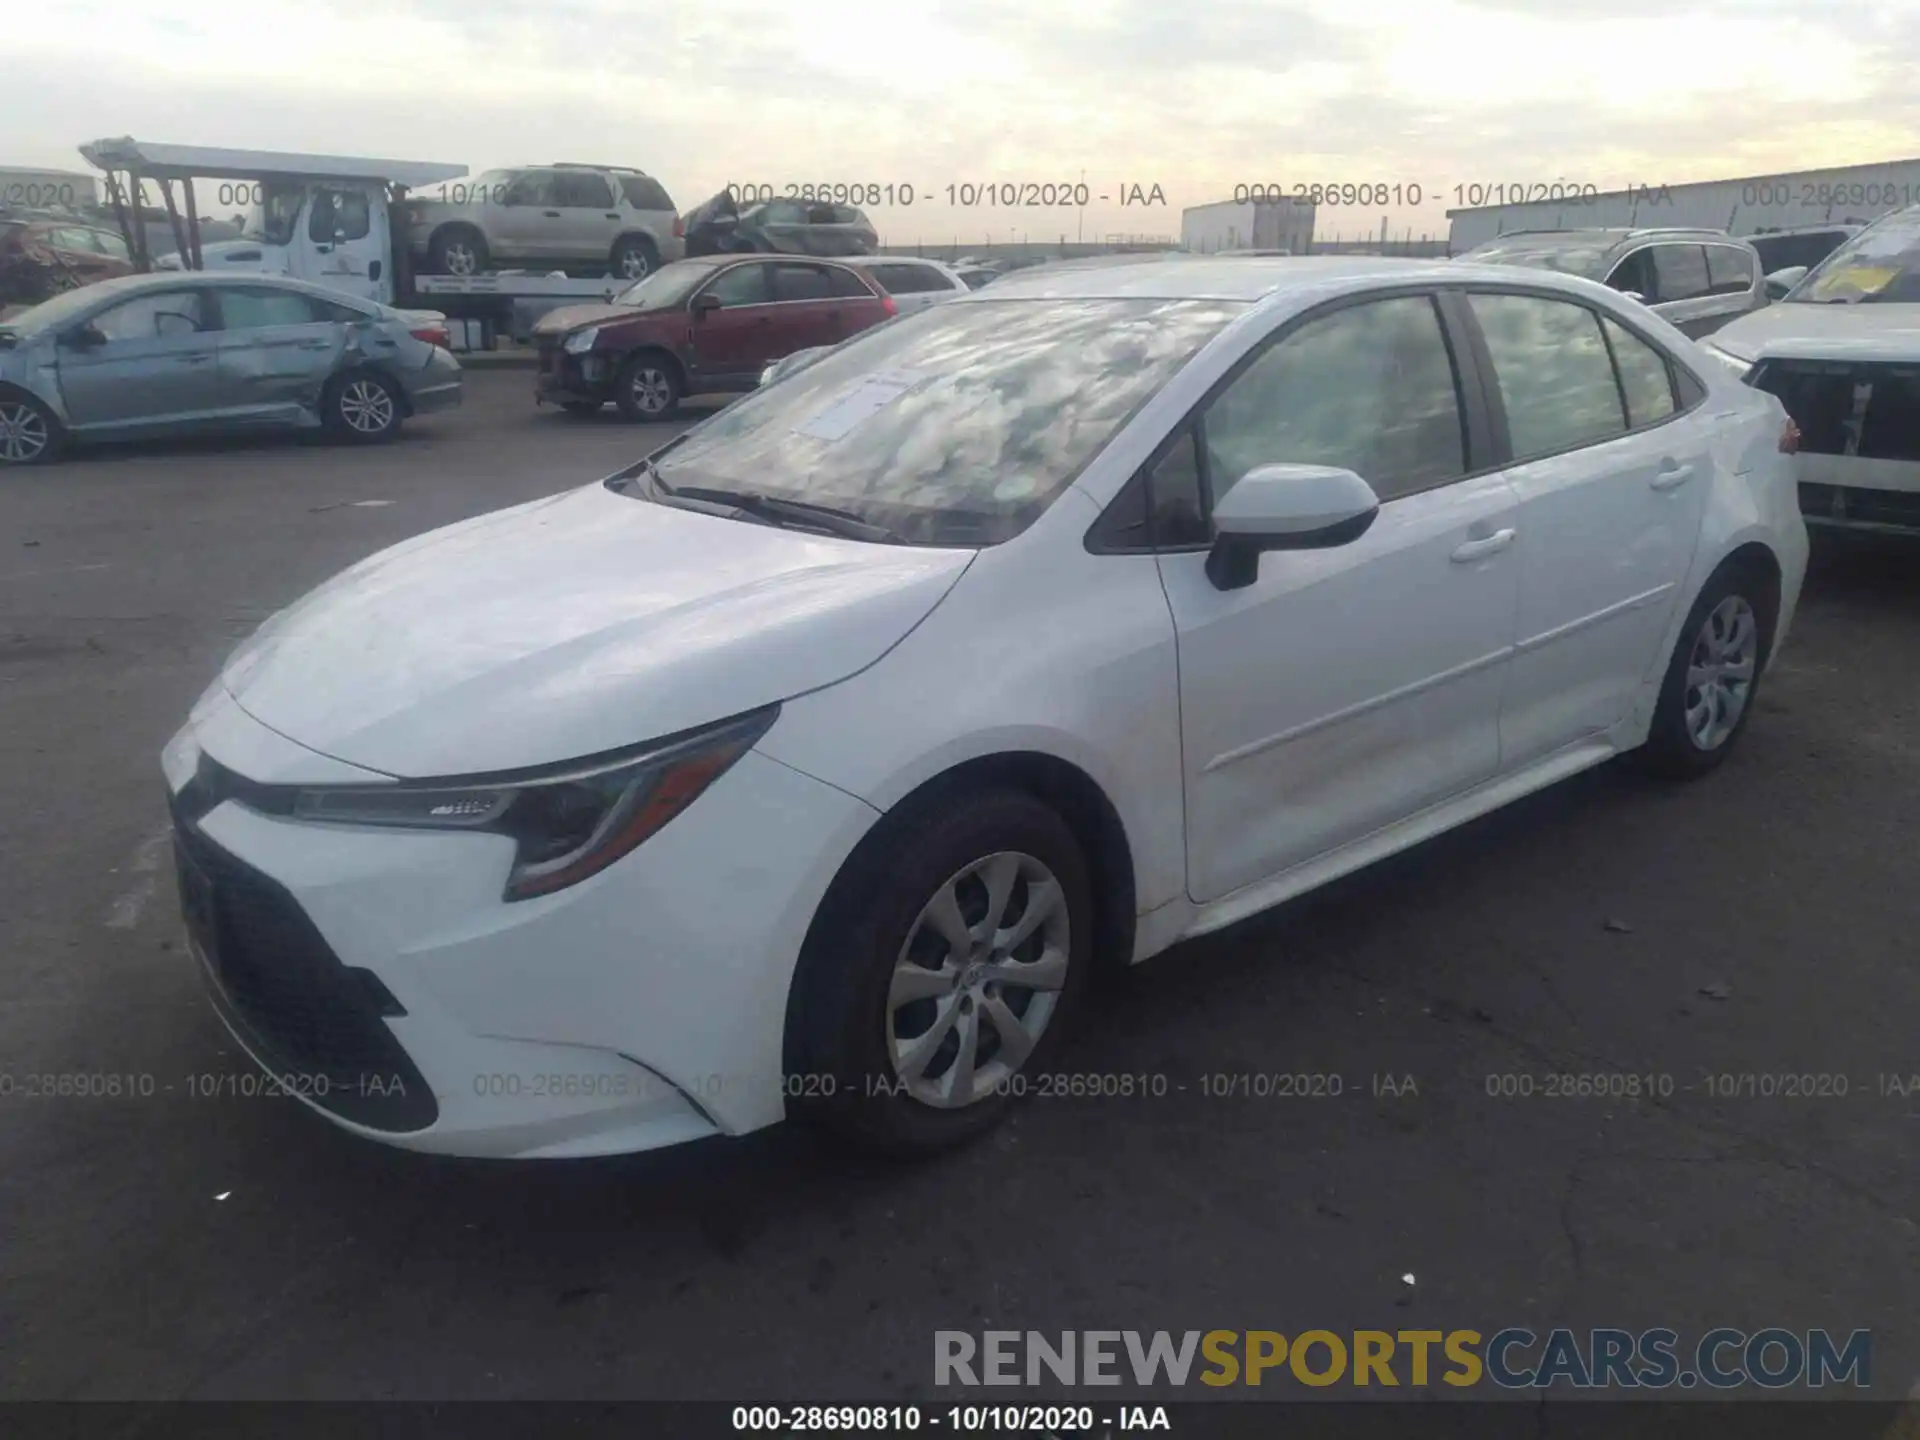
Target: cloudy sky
(929,93)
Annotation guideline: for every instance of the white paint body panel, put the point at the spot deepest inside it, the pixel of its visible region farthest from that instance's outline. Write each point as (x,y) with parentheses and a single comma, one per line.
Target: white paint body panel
(1253,743)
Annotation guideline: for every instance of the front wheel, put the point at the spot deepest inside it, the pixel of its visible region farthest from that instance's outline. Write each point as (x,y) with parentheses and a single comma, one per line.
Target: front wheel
(647,387)
(363,408)
(935,989)
(1710,684)
(457,251)
(29,435)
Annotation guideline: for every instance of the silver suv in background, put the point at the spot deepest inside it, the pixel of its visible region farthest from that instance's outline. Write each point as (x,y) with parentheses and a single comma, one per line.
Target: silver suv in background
(912,281)
(1696,280)
(603,218)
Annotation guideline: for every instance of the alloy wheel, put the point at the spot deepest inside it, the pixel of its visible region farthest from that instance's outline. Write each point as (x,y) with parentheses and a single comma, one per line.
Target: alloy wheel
(367,407)
(460,258)
(1720,672)
(634,263)
(978,980)
(652,390)
(24,433)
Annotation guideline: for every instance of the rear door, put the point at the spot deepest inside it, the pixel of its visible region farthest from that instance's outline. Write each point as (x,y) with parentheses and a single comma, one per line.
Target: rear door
(589,216)
(156,371)
(278,349)
(733,344)
(812,304)
(526,221)
(1611,473)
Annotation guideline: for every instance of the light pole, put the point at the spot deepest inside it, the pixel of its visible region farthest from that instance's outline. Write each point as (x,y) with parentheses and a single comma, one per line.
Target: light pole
(1080,232)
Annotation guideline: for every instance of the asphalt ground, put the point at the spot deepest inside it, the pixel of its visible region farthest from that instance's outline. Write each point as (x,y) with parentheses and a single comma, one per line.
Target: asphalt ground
(204,1245)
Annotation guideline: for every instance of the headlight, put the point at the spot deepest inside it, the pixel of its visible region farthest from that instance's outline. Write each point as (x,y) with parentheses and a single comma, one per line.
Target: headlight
(568,822)
(581,341)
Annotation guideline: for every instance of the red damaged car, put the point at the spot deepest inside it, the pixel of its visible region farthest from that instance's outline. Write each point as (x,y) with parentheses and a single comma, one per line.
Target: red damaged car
(699,327)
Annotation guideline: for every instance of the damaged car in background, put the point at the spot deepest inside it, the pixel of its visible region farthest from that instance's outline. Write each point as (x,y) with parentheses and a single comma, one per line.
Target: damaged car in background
(778,227)
(1842,353)
(42,256)
(145,356)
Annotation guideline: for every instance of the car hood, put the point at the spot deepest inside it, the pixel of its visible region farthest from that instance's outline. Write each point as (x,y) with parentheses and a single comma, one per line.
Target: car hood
(1865,331)
(573,625)
(572,317)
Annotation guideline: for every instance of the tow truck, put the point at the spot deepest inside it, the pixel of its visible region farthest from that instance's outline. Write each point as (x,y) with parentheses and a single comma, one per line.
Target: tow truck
(334,220)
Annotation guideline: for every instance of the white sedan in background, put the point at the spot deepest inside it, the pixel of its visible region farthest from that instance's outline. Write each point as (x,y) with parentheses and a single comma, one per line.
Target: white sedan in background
(814,763)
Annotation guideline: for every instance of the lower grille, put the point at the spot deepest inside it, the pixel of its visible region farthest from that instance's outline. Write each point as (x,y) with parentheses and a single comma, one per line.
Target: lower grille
(316,1023)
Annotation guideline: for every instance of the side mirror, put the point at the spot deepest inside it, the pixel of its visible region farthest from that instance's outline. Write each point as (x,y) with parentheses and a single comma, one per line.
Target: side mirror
(1286,507)
(705,304)
(87,337)
(1779,282)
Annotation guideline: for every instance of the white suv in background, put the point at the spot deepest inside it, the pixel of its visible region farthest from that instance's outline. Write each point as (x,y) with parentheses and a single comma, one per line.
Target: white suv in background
(602,217)
(913,282)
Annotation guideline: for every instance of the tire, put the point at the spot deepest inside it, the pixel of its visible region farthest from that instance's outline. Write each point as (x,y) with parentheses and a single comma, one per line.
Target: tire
(362,407)
(29,432)
(634,257)
(580,407)
(1726,639)
(889,1076)
(647,387)
(457,250)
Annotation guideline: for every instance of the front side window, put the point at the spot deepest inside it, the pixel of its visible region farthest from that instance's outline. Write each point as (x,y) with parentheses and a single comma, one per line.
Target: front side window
(111,245)
(1680,272)
(1369,388)
(271,222)
(1555,375)
(1729,270)
(339,215)
(783,212)
(533,187)
(168,315)
(741,285)
(666,287)
(1634,275)
(958,425)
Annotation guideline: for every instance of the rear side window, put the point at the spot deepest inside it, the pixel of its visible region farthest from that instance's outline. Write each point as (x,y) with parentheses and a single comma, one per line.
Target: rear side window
(111,245)
(802,282)
(251,309)
(1554,371)
(1645,380)
(645,193)
(581,190)
(846,285)
(1729,270)
(1680,272)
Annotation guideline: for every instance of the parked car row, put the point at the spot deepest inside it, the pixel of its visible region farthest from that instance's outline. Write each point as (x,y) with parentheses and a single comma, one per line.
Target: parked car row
(848,733)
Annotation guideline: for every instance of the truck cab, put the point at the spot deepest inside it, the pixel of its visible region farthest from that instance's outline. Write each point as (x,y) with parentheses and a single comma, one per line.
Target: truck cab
(336,233)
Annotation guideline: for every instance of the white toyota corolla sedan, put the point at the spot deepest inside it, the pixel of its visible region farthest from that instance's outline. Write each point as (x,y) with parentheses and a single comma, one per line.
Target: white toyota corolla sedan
(812,764)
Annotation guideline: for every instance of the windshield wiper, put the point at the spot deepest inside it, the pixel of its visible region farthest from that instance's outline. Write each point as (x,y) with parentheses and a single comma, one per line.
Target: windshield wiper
(776,510)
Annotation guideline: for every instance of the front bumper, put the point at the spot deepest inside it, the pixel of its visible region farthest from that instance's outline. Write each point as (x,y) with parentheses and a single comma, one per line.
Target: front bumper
(381,977)
(562,377)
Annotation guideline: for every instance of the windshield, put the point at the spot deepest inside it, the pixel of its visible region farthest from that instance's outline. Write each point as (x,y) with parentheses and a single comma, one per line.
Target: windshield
(956,426)
(271,222)
(1881,264)
(668,286)
(1542,252)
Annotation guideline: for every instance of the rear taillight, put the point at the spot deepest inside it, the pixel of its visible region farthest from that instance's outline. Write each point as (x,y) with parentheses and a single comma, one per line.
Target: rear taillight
(886,304)
(432,334)
(679,228)
(1790,438)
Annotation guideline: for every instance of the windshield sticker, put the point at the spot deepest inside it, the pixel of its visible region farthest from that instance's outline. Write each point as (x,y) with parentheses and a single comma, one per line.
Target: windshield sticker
(862,402)
(1856,280)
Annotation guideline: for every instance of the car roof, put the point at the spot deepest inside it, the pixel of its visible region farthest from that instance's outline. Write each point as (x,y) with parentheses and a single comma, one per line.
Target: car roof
(1239,277)
(174,279)
(1615,235)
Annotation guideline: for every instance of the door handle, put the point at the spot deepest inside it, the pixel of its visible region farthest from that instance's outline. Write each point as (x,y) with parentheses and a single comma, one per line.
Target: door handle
(195,359)
(613,215)
(1480,549)
(551,214)
(1672,477)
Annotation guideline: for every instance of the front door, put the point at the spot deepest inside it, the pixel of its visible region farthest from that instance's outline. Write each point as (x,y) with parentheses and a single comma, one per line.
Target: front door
(1612,482)
(346,241)
(1345,688)
(154,366)
(741,338)
(278,349)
